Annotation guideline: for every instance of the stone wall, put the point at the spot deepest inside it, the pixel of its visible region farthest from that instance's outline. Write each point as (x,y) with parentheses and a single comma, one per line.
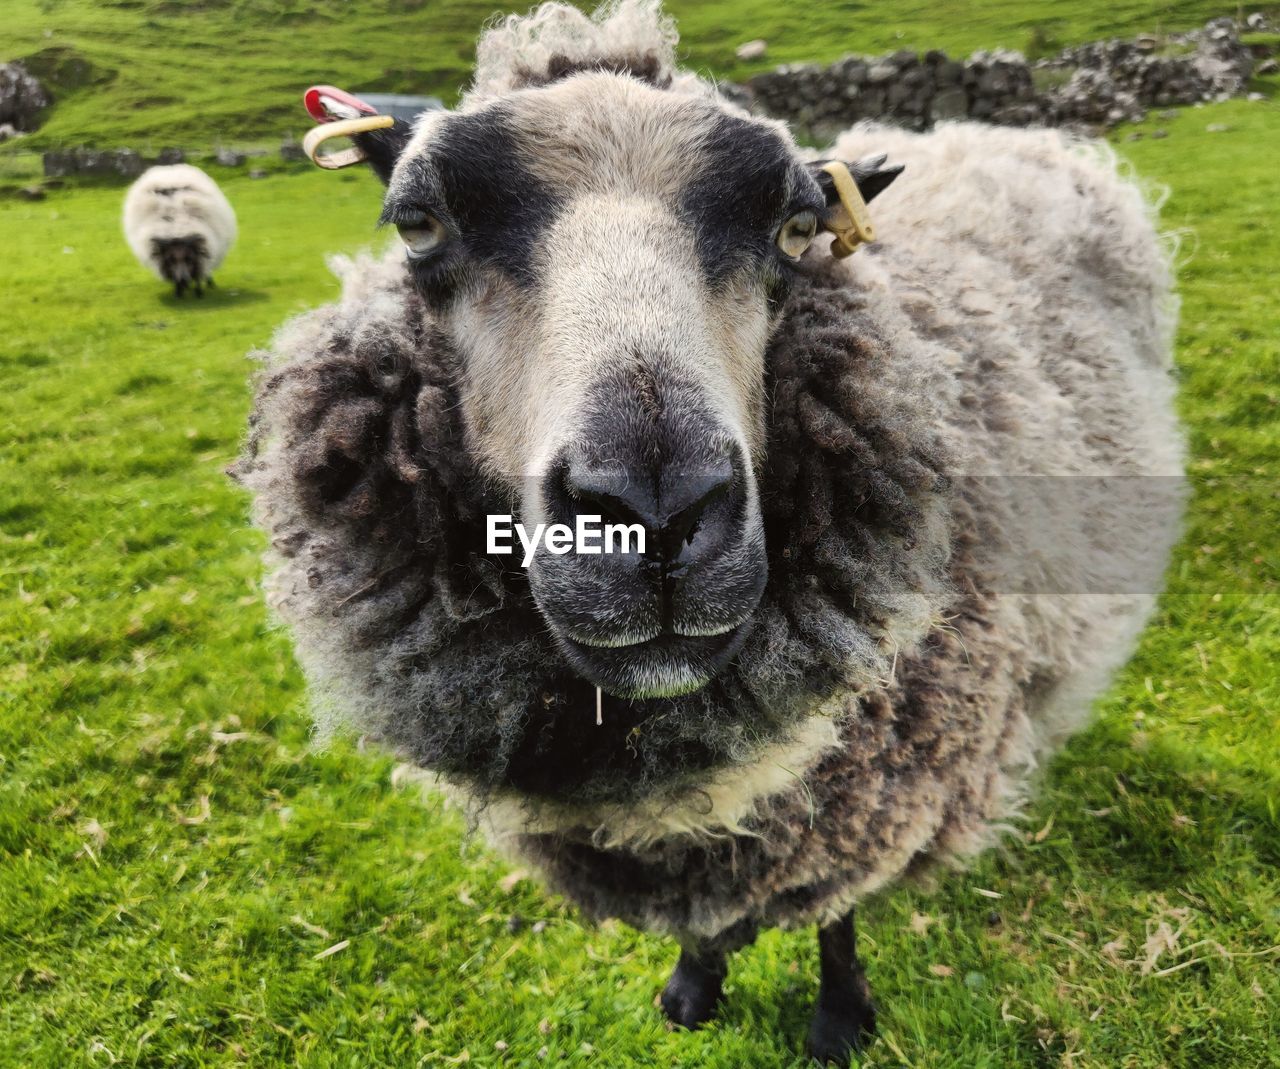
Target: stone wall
(22,99)
(102,163)
(1091,85)
(129,163)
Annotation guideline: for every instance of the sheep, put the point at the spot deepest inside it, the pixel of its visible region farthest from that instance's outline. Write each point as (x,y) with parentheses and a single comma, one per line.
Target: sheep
(179,225)
(908,509)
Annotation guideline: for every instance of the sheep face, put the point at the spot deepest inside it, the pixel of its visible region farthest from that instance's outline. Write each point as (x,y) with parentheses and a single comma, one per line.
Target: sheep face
(614,313)
(609,260)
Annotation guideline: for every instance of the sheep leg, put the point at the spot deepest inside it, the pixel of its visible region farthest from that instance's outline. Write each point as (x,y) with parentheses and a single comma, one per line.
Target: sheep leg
(845,1018)
(694,990)
(180,287)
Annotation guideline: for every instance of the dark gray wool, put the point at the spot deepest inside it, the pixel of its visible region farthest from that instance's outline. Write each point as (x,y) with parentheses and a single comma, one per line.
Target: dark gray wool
(365,483)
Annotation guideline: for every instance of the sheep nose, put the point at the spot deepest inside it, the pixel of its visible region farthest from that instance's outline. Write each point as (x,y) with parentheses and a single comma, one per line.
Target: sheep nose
(681,512)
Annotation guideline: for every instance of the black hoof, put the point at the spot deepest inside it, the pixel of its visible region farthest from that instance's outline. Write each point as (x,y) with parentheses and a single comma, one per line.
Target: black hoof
(691,995)
(841,1029)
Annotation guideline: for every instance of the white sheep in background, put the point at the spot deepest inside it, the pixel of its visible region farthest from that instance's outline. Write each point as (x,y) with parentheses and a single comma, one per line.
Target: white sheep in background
(179,224)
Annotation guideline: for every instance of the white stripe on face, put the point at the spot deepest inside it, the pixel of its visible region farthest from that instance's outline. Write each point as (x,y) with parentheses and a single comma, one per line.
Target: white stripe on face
(619,271)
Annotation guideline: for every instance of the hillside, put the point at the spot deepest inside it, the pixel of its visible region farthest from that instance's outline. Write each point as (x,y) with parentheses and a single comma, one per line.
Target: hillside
(151,73)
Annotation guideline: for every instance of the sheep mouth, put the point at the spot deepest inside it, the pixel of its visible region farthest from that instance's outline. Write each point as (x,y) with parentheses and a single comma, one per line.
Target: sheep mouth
(667,666)
(626,642)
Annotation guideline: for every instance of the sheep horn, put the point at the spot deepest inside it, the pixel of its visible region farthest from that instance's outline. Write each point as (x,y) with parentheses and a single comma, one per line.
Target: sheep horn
(318,135)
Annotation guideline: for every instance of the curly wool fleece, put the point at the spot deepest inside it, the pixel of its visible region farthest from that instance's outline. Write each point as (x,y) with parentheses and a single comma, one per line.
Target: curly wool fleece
(903,676)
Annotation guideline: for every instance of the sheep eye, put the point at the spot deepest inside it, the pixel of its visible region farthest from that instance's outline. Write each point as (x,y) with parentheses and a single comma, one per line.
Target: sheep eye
(797,234)
(422,236)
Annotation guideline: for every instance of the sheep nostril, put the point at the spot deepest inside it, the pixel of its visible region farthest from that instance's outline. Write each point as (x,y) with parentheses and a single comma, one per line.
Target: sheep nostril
(609,511)
(682,512)
(696,521)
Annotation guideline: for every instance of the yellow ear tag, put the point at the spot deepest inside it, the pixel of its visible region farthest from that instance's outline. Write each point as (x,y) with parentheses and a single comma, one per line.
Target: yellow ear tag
(850,221)
(318,135)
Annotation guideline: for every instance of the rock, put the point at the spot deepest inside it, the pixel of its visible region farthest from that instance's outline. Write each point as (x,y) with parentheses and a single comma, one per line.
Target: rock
(851,70)
(1268,66)
(1157,135)
(22,98)
(1255,97)
(8,131)
(257,172)
(169,156)
(751,49)
(31,193)
(741,95)
(991,82)
(126,162)
(873,100)
(1217,128)
(882,73)
(1221,59)
(1256,21)
(1136,135)
(949,104)
(113,163)
(898,95)
(292,151)
(227,157)
(1016,114)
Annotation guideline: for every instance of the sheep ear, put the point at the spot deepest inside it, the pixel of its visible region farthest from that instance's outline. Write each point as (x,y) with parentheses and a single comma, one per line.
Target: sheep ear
(847,191)
(382,148)
(870,174)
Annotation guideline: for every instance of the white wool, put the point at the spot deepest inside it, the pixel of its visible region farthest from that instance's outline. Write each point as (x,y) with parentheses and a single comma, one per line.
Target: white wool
(196,207)
(514,47)
(721,805)
(1085,294)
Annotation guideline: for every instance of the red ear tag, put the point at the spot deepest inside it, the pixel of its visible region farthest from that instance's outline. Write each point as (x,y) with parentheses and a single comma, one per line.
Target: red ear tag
(327,103)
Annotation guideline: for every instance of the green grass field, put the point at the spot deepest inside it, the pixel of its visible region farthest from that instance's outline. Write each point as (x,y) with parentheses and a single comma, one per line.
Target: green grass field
(185,881)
